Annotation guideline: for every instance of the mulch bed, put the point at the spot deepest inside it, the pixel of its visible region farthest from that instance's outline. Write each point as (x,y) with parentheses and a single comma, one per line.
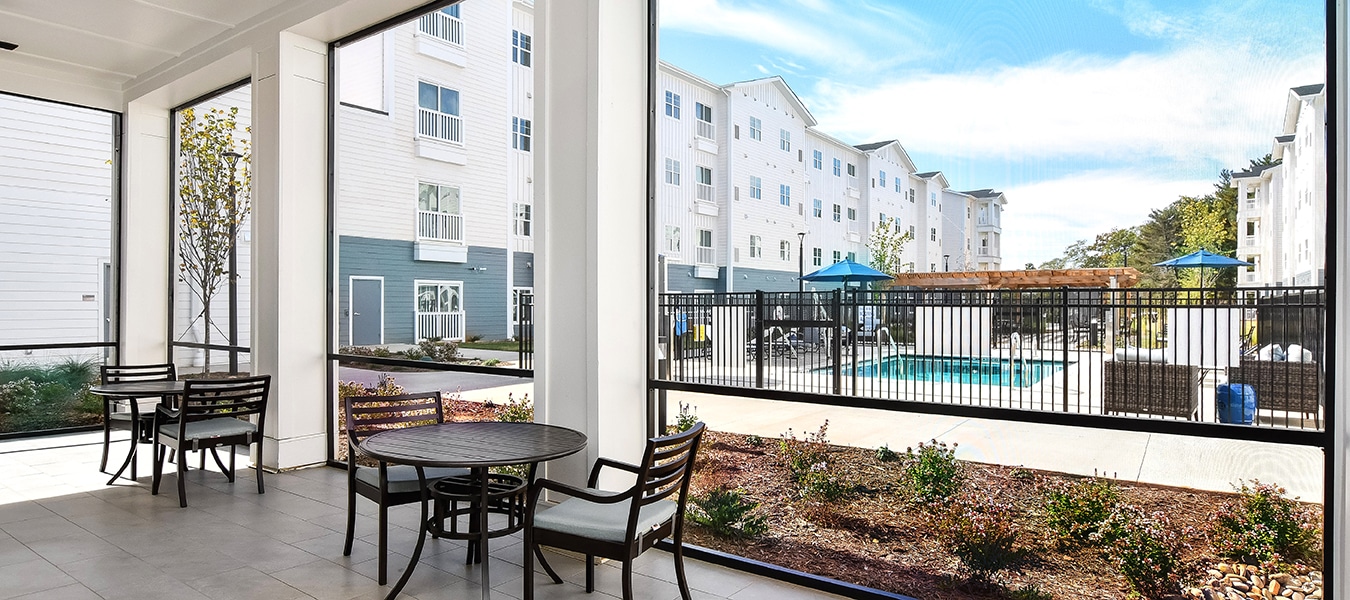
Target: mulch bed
(878,538)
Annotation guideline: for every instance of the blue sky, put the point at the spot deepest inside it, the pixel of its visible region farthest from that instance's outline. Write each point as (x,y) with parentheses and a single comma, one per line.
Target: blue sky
(1087,113)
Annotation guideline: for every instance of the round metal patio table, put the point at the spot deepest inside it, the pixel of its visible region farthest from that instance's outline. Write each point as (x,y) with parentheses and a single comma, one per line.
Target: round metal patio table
(136,392)
(476,446)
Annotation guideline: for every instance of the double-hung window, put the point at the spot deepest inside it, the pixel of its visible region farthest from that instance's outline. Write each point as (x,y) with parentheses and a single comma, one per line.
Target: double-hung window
(520,134)
(785,140)
(785,195)
(932,234)
(672,171)
(756,189)
(755,249)
(520,48)
(522,219)
(705,247)
(703,183)
(836,167)
(817,159)
(898,189)
(852,214)
(755,128)
(438,213)
(853,256)
(835,255)
(852,170)
(672,104)
(703,116)
(816,208)
(932,198)
(838,213)
(882,177)
(673,239)
(815,257)
(438,113)
(785,250)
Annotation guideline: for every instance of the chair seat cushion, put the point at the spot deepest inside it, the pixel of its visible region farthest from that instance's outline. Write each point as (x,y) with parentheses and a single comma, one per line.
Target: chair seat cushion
(403,478)
(210,428)
(607,522)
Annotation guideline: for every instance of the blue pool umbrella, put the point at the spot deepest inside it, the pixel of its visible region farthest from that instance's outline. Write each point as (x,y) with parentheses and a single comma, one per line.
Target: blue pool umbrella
(1202,259)
(847,271)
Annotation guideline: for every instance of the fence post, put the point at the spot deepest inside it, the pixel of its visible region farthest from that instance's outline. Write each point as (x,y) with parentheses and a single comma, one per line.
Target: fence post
(1064,329)
(759,338)
(837,346)
(857,325)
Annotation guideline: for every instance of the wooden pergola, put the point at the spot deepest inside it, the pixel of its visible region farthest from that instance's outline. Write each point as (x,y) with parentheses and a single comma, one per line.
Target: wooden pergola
(1114,277)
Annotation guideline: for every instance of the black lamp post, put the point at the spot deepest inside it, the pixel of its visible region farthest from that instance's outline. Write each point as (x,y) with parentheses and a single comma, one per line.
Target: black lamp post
(946,262)
(232,159)
(801,261)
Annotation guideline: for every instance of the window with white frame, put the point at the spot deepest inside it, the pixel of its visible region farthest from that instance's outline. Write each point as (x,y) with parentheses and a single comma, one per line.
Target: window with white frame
(815,257)
(785,140)
(755,128)
(898,189)
(520,134)
(836,167)
(522,219)
(672,171)
(785,250)
(881,220)
(438,113)
(703,181)
(672,104)
(932,234)
(911,231)
(516,294)
(852,170)
(882,177)
(520,48)
(673,239)
(756,189)
(438,213)
(911,195)
(705,247)
(852,214)
(703,115)
(853,256)
(816,210)
(755,249)
(439,310)
(817,159)
(835,255)
(838,213)
(785,195)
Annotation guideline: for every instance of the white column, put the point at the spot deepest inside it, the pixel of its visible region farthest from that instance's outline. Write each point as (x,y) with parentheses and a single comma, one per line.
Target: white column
(1339,338)
(591,78)
(289,258)
(144,262)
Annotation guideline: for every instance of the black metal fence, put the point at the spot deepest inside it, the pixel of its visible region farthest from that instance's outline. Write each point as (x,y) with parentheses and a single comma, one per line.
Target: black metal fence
(525,331)
(1149,353)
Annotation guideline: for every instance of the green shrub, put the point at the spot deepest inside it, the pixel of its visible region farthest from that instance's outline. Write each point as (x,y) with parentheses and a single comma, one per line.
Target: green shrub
(436,349)
(517,411)
(686,419)
(932,472)
(35,397)
(1147,551)
(885,454)
(1029,591)
(1079,511)
(1262,525)
(811,465)
(491,362)
(375,351)
(754,441)
(728,513)
(979,531)
(473,339)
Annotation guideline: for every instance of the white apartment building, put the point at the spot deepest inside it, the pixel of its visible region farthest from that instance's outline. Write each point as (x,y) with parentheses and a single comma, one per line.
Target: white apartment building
(1282,208)
(748,187)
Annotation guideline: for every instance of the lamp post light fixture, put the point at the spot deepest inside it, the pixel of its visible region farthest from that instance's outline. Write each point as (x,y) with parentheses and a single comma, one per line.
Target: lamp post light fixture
(801,261)
(946,262)
(232,159)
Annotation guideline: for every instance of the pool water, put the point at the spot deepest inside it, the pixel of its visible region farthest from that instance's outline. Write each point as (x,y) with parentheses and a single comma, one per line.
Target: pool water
(984,371)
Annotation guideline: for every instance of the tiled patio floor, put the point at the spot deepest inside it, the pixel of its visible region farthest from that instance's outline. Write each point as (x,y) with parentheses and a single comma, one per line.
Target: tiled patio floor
(66,535)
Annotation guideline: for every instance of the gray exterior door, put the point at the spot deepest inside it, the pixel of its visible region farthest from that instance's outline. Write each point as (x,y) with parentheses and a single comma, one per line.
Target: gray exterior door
(367,312)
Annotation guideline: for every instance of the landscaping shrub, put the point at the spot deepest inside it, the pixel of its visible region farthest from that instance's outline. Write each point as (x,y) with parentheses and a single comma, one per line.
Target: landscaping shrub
(366,351)
(754,441)
(385,387)
(728,513)
(1029,591)
(1261,525)
(35,397)
(980,532)
(1079,511)
(811,466)
(685,420)
(932,472)
(517,411)
(885,454)
(1147,551)
(437,349)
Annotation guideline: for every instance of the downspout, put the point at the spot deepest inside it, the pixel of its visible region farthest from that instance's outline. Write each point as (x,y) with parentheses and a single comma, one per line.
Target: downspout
(730,194)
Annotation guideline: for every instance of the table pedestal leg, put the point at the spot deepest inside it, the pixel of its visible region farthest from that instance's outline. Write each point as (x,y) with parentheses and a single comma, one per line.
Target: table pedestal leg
(421,537)
(482,517)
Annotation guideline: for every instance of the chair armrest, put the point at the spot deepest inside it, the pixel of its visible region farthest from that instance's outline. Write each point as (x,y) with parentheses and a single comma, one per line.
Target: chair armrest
(576,492)
(606,462)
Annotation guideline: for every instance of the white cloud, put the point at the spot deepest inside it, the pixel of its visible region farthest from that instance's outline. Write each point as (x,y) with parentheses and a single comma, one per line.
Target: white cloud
(1043,218)
(1215,102)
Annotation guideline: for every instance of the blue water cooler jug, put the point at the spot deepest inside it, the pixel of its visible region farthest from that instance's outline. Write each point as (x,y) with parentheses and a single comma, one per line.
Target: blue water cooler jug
(1236,403)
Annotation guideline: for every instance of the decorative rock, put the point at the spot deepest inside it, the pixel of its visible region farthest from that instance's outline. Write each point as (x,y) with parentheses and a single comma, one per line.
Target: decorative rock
(1241,586)
(1257,582)
(1299,596)
(1273,588)
(1224,568)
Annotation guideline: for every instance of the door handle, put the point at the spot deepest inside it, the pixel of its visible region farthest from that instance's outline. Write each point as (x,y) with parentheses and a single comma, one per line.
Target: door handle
(356,314)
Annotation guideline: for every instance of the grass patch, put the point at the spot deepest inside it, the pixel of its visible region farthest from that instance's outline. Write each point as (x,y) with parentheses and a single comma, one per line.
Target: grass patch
(504,345)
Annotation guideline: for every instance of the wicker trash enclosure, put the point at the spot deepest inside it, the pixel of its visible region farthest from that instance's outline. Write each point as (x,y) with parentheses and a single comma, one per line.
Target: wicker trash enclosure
(1152,388)
(1282,386)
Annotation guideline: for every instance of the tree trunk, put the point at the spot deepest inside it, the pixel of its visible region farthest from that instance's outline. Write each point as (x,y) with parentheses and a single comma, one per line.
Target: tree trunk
(206,327)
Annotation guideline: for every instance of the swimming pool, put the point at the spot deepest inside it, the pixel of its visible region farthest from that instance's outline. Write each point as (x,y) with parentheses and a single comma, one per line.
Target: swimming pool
(984,371)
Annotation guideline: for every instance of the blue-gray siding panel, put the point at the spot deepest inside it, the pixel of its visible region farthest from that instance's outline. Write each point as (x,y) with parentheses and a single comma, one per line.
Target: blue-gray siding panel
(680,278)
(524,269)
(483,276)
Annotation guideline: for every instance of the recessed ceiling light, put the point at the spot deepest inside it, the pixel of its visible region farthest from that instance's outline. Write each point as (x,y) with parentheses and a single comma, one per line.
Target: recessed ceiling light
(7,45)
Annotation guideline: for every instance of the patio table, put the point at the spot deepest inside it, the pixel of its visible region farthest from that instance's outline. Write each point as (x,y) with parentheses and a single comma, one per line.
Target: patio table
(136,392)
(477,446)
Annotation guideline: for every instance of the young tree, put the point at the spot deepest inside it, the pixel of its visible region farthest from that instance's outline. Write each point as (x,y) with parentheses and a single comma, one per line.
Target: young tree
(213,200)
(886,247)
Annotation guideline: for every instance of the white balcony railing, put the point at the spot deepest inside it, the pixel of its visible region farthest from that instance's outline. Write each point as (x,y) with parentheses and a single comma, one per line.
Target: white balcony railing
(705,129)
(706,256)
(442,26)
(439,125)
(444,325)
(1250,240)
(446,227)
(704,192)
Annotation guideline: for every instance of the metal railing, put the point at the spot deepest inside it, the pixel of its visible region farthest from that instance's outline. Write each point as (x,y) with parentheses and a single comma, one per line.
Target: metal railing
(440,125)
(1146,353)
(705,129)
(525,331)
(442,26)
(443,325)
(705,192)
(446,227)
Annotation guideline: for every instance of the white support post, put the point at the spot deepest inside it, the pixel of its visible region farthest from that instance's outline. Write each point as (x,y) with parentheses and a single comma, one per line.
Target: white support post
(289,259)
(591,86)
(144,262)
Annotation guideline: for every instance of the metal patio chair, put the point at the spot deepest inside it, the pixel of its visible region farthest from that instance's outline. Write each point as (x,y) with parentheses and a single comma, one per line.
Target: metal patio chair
(132,419)
(212,413)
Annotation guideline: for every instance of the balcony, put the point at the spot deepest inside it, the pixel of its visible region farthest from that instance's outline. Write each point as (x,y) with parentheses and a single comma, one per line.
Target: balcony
(439,226)
(443,27)
(706,255)
(440,126)
(1249,240)
(705,129)
(705,192)
(444,325)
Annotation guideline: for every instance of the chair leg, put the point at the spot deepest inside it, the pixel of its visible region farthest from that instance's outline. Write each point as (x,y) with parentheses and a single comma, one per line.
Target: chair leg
(543,562)
(231,463)
(107,439)
(135,444)
(158,452)
(182,483)
(384,543)
(679,571)
(229,473)
(257,466)
(351,520)
(529,565)
(590,573)
(628,579)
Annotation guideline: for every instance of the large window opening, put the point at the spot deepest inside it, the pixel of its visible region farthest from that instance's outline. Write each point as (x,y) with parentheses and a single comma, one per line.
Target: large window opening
(58,262)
